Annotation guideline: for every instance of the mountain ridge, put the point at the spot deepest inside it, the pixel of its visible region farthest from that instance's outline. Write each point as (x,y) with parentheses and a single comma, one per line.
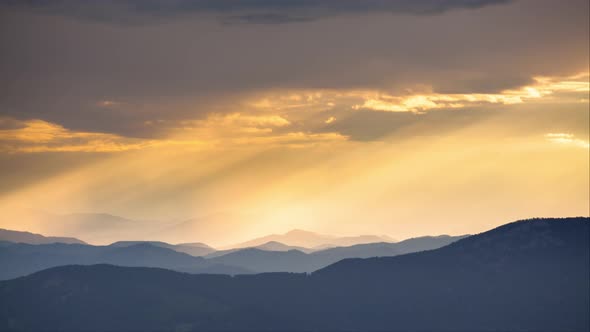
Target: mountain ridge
(34,238)
(493,281)
(19,260)
(310,240)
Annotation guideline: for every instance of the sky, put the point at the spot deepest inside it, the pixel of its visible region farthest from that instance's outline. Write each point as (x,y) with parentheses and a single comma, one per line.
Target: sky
(220,120)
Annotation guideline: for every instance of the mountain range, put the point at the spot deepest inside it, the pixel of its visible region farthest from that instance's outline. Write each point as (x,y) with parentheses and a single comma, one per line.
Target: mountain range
(103,228)
(259,260)
(306,239)
(19,259)
(529,275)
(32,238)
(193,249)
(91,227)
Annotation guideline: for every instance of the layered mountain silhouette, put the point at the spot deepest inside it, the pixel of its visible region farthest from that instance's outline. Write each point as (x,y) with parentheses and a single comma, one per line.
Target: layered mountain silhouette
(260,260)
(278,246)
(193,249)
(525,276)
(104,227)
(269,246)
(306,239)
(32,238)
(93,227)
(20,259)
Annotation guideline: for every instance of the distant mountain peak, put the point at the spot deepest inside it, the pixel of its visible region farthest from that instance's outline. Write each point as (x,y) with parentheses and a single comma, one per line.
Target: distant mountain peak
(307,239)
(33,238)
(274,243)
(193,249)
(195,244)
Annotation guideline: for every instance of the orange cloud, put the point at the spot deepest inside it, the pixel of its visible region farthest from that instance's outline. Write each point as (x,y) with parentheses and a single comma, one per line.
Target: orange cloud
(417,103)
(42,136)
(302,104)
(567,139)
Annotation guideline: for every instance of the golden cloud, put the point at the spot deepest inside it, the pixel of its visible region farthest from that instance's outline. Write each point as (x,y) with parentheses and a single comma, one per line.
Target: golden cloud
(288,118)
(415,101)
(567,139)
(42,136)
(217,130)
(240,129)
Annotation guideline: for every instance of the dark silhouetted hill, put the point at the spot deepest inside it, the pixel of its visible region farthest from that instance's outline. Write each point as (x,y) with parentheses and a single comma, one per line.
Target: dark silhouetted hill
(267,261)
(529,275)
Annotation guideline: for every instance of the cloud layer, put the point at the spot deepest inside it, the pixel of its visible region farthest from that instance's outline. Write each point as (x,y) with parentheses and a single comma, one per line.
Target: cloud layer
(94,77)
(240,11)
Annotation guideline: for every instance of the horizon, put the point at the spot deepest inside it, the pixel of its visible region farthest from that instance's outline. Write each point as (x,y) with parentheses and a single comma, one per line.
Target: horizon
(234,244)
(295,165)
(242,244)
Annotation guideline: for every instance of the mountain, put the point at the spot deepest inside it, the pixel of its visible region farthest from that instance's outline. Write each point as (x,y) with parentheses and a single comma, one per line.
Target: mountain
(307,239)
(277,246)
(195,245)
(267,261)
(294,260)
(269,246)
(212,268)
(92,227)
(32,238)
(530,275)
(525,276)
(193,249)
(18,259)
(383,249)
(101,227)
(148,255)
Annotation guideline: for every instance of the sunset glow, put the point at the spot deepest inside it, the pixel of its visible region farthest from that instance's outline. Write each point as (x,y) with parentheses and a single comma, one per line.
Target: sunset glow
(192,130)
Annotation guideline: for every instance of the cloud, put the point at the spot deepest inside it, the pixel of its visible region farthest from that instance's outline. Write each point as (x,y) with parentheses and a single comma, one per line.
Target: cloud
(41,136)
(11,124)
(567,139)
(241,11)
(330,120)
(110,78)
(217,131)
(294,118)
(108,103)
(422,102)
(265,19)
(518,120)
(237,129)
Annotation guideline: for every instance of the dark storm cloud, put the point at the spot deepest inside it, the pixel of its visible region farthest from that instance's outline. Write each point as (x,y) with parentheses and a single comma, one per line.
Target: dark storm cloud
(269,18)
(241,11)
(61,70)
(8,124)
